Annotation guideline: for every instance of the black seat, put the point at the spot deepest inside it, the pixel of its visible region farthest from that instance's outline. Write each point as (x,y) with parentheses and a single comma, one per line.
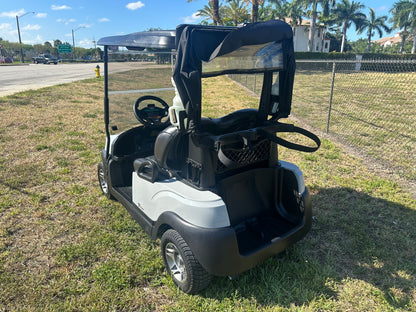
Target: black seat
(236,121)
(195,158)
(171,148)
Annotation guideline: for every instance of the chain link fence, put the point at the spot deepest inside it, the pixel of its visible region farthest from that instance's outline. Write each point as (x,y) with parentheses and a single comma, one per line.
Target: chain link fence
(370,105)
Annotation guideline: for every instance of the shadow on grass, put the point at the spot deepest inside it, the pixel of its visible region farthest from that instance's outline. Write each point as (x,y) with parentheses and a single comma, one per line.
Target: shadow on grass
(360,250)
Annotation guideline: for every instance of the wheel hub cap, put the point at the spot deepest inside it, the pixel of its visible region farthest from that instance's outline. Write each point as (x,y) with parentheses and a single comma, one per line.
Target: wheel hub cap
(175,262)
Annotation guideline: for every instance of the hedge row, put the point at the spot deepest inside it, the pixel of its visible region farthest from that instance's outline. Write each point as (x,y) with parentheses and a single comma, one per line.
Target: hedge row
(378,67)
(352,56)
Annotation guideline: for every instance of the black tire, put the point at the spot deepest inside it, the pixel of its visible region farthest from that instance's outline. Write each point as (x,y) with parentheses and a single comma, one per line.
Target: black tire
(102,180)
(180,263)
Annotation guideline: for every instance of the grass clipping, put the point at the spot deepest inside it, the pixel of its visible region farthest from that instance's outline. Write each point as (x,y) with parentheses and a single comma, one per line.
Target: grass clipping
(64,246)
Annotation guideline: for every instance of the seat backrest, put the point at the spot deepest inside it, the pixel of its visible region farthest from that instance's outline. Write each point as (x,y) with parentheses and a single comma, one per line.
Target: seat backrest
(171,148)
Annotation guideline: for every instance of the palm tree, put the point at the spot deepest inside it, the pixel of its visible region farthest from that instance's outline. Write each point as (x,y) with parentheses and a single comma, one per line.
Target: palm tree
(347,13)
(278,9)
(212,11)
(373,24)
(404,16)
(236,12)
(313,4)
(295,12)
(255,5)
(216,12)
(209,12)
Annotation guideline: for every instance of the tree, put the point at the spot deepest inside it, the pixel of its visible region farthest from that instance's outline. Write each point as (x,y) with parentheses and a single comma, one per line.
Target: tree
(404,17)
(294,11)
(56,43)
(255,5)
(212,10)
(208,12)
(347,13)
(336,40)
(313,5)
(235,13)
(276,9)
(255,9)
(373,24)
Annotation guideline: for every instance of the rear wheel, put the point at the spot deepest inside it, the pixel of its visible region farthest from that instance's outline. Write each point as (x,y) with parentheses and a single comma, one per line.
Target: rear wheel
(187,273)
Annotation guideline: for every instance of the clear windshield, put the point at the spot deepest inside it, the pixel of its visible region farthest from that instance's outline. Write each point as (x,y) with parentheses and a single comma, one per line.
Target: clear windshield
(247,58)
(131,76)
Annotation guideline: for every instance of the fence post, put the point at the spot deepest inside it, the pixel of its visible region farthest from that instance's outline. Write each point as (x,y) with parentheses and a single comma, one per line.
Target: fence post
(330,97)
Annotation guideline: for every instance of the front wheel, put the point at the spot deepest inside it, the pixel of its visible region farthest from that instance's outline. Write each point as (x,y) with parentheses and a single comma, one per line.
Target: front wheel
(187,273)
(102,180)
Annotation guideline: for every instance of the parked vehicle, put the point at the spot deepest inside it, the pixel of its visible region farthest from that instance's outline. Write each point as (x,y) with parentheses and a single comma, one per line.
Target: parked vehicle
(212,189)
(6,60)
(45,59)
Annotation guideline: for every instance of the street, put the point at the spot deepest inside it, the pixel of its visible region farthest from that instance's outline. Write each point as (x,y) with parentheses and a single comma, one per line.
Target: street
(34,76)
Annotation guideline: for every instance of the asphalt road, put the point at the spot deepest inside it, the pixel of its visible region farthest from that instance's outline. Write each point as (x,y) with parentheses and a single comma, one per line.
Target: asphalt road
(34,76)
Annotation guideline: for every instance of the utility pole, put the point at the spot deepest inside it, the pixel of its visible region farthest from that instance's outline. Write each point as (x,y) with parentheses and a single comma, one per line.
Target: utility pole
(18,31)
(73,41)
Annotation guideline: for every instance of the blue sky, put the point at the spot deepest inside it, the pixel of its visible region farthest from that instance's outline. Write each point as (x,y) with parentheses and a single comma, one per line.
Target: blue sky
(94,19)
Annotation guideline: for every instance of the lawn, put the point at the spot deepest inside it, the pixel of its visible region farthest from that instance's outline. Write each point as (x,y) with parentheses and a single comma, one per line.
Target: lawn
(65,247)
(373,111)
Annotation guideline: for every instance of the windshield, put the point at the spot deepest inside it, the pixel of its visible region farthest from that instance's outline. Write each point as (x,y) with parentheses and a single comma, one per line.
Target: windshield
(249,58)
(132,75)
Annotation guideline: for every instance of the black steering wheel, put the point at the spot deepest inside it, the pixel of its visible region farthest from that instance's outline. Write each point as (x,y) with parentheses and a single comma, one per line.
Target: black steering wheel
(155,113)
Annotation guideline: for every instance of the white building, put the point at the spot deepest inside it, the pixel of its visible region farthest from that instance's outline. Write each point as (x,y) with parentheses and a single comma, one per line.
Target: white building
(301,37)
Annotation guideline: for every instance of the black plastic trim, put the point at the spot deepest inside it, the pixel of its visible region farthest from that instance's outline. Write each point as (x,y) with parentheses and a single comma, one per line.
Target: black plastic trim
(139,216)
(217,249)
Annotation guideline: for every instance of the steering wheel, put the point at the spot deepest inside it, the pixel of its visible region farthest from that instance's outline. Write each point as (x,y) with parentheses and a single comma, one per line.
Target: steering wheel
(155,113)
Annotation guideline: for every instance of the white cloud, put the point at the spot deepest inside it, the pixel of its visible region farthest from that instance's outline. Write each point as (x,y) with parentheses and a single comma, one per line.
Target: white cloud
(31,27)
(8,32)
(85,43)
(84,25)
(38,39)
(5,27)
(104,19)
(41,15)
(65,21)
(60,7)
(12,13)
(135,5)
(383,8)
(191,19)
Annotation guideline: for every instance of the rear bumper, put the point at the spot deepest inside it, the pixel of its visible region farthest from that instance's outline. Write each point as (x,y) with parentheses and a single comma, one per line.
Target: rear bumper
(219,250)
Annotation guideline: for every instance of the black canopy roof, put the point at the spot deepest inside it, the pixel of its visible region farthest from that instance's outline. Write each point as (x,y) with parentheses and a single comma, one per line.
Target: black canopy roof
(197,44)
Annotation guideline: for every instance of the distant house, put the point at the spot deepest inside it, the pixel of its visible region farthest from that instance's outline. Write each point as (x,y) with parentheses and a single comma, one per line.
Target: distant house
(301,37)
(389,41)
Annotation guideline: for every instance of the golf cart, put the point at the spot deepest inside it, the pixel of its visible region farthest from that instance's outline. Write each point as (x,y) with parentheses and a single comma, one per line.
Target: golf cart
(212,189)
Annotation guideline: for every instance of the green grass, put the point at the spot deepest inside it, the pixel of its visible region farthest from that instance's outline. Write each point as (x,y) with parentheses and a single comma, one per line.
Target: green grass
(373,111)
(65,247)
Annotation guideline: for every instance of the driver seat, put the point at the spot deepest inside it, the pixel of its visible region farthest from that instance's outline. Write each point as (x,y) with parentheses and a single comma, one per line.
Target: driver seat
(171,149)
(169,156)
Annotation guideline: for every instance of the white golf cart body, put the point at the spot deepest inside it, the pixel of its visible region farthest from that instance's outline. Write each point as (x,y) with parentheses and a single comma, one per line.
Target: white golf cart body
(216,182)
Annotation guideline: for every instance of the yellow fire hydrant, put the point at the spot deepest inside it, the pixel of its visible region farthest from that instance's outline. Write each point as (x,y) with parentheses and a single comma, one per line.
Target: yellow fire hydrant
(97,71)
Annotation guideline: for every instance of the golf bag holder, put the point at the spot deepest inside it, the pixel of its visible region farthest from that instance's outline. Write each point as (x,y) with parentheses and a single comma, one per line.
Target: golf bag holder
(205,158)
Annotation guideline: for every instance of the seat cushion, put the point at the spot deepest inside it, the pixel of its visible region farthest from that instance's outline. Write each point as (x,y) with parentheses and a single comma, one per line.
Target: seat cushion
(236,121)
